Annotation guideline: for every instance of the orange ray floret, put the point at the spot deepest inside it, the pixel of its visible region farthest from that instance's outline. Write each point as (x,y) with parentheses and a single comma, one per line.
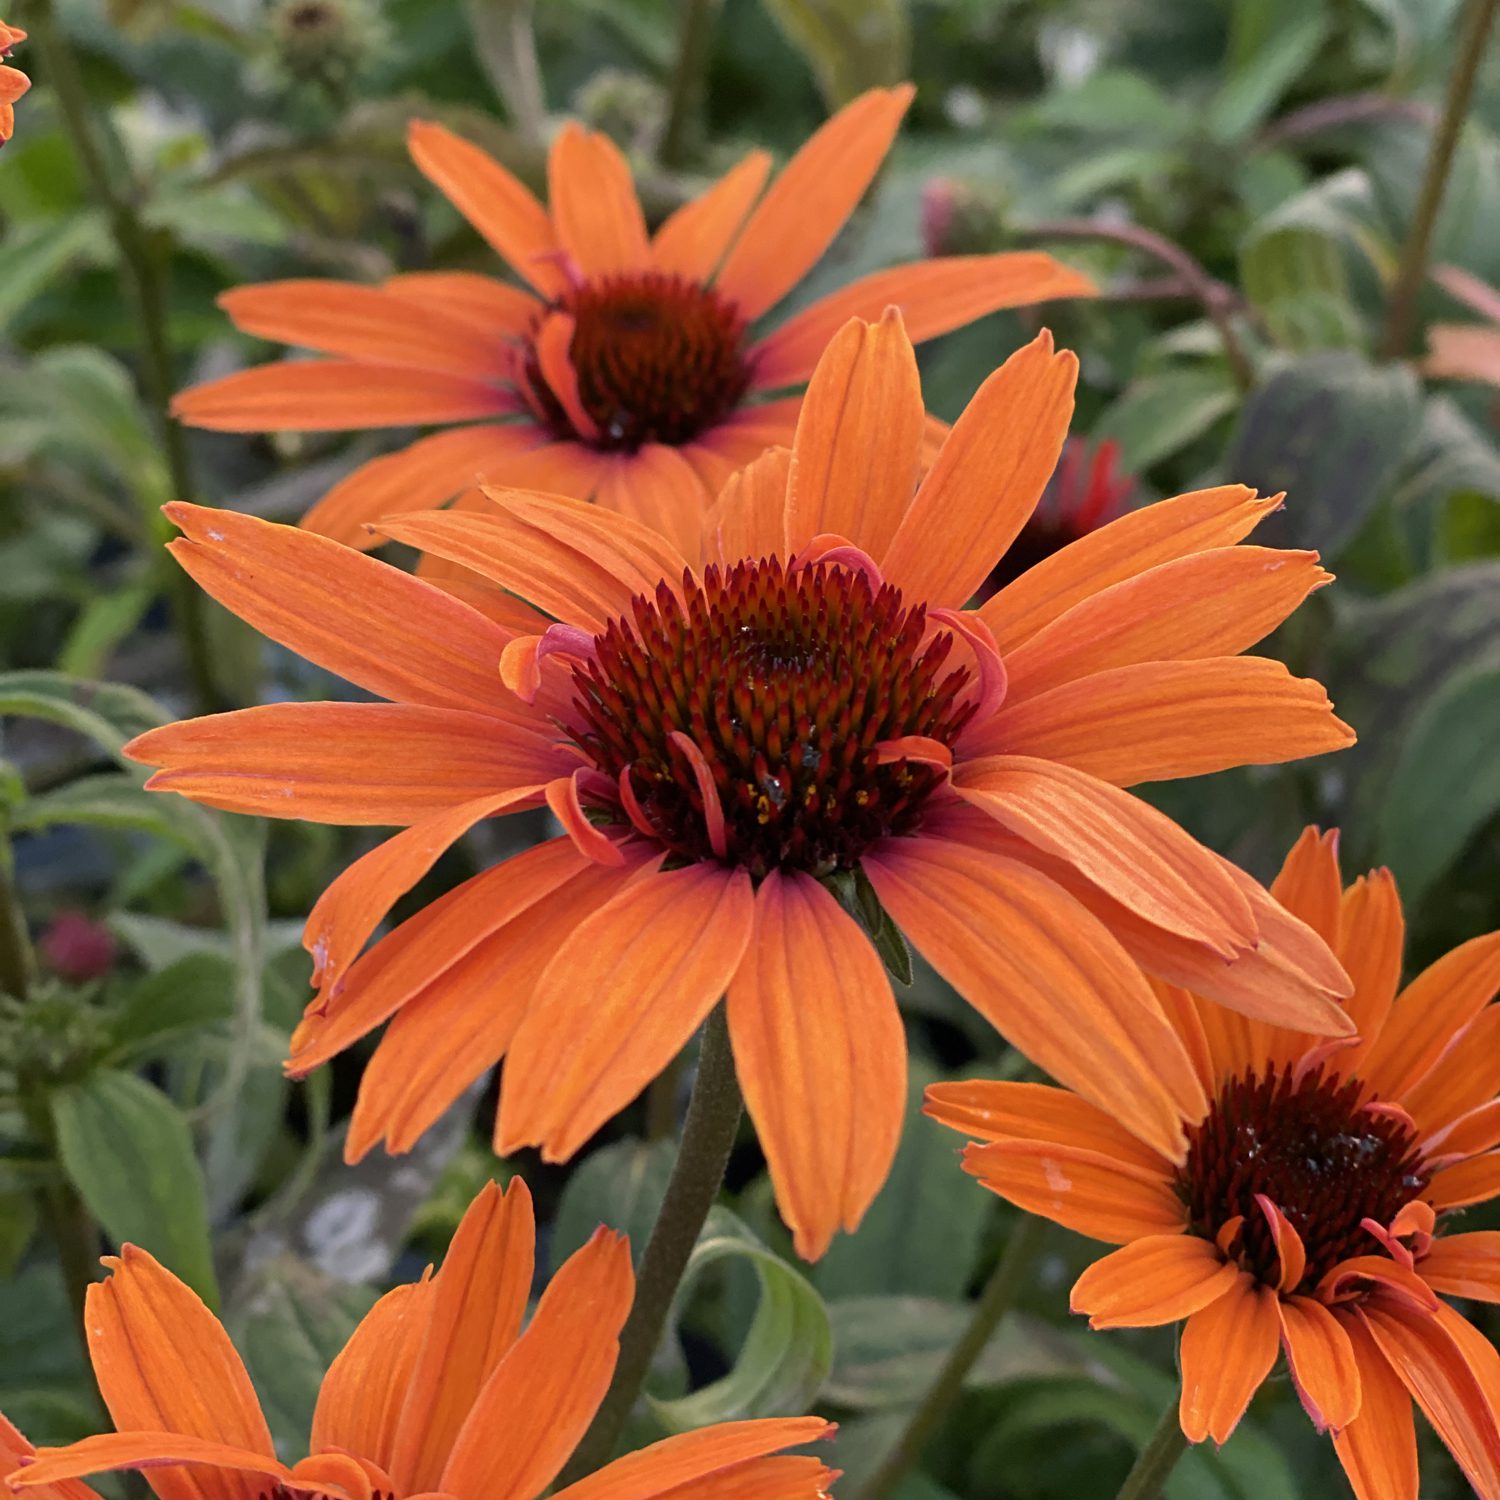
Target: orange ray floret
(758,745)
(636,361)
(13,82)
(439,1391)
(1313,1215)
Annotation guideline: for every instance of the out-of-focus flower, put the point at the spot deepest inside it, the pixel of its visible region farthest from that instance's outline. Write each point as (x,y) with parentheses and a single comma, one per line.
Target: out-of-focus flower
(438,1391)
(793,710)
(327,42)
(1313,1211)
(960,217)
(77,948)
(13,82)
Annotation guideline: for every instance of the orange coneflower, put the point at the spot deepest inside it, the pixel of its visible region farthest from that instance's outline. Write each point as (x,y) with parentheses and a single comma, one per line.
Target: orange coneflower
(437,1393)
(13,82)
(1305,1216)
(796,711)
(630,364)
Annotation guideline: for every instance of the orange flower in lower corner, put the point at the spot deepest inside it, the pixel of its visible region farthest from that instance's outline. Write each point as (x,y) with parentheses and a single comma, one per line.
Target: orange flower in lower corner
(630,364)
(1313,1212)
(13,82)
(764,752)
(438,1392)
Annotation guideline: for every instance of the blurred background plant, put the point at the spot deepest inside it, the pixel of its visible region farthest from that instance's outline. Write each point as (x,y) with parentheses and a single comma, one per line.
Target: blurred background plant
(1294,208)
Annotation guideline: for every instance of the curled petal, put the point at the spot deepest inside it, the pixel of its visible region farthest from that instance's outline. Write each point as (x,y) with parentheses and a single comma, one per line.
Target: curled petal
(1288,1243)
(567,807)
(713,809)
(981,641)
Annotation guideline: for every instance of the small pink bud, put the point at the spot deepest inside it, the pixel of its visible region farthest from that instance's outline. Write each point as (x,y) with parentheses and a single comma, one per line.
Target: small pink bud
(77,948)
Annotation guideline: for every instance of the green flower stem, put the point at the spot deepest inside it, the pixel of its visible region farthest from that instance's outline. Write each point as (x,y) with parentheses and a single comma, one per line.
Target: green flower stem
(694,34)
(1401,312)
(713,1120)
(996,1300)
(140,261)
(1155,1462)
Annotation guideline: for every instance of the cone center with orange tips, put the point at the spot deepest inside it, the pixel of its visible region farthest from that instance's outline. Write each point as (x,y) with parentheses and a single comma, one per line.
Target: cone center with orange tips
(1330,1163)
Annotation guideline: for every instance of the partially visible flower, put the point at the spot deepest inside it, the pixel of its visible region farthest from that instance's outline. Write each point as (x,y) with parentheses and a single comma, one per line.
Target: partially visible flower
(630,368)
(735,735)
(960,216)
(1086,492)
(13,82)
(630,108)
(438,1391)
(1313,1212)
(327,42)
(77,948)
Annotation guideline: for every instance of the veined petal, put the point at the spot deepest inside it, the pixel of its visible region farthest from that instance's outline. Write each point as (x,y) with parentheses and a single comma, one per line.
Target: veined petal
(1322,1362)
(1378,1449)
(500,307)
(854,458)
(1476,1180)
(749,517)
(543,1393)
(180,1464)
(1227,1349)
(594,206)
(15,1450)
(1372,940)
(808,203)
(635,981)
(821,1055)
(1160,1278)
(1465,1076)
(1309,885)
(987,479)
(934,296)
(658,488)
(695,238)
(745,434)
(1464,1265)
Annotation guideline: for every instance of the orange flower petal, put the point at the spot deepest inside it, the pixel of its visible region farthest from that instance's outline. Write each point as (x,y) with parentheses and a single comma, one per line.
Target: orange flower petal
(362,1394)
(1136,542)
(365,323)
(988,1110)
(370,623)
(556,468)
(543,1394)
(695,238)
(1474,1181)
(496,305)
(1378,1449)
(337,395)
(745,434)
(1309,885)
(821,1055)
(781,1478)
(1465,1265)
(477,1303)
(1159,721)
(1322,1362)
(1463,351)
(427,473)
(854,458)
(1446,995)
(1465,1077)
(693,1457)
(1435,1364)
(1045,974)
(808,203)
(657,487)
(1372,940)
(1227,1349)
(1087,1191)
(1214,603)
(1158,1279)
(749,517)
(1290,1251)
(934,296)
(176,1461)
(987,479)
(614,1007)
(1138,855)
(594,205)
(1477,1131)
(14,1448)
(495,202)
(349,763)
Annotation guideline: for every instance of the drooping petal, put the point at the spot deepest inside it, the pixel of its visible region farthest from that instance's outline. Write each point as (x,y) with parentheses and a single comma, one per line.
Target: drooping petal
(635,981)
(987,479)
(372,624)
(337,395)
(344,763)
(181,1465)
(1088,1191)
(1158,721)
(1138,855)
(544,1392)
(695,238)
(1378,1449)
(478,1299)
(1372,939)
(504,211)
(749,517)
(1214,603)
(691,1458)
(1160,1278)
(1227,1349)
(16,1450)
(1322,1362)
(594,206)
(1137,541)
(821,1055)
(934,296)
(809,201)
(854,458)
(1046,975)
(1465,1265)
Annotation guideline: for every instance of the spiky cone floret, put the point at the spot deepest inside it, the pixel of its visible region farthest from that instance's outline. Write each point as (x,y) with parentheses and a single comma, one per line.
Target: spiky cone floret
(727,735)
(1314,1213)
(439,1392)
(631,361)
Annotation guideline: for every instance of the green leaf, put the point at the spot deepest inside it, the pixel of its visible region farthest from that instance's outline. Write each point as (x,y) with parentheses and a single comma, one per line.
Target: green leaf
(128,1151)
(1159,415)
(194,992)
(1332,432)
(36,254)
(621,1185)
(850,45)
(18,1222)
(100,627)
(109,713)
(788,1351)
(1119,103)
(1266,59)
